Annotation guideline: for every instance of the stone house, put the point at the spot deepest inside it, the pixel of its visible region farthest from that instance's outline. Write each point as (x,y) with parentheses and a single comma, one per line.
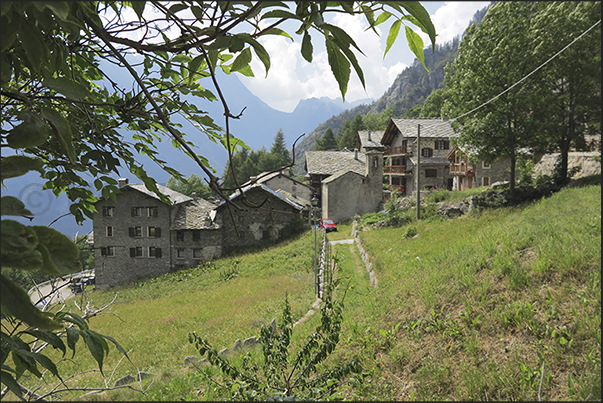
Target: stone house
(400,143)
(282,181)
(467,174)
(139,236)
(259,213)
(132,237)
(346,183)
(367,140)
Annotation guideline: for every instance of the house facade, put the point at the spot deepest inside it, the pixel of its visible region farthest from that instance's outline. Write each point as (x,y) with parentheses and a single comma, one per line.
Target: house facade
(132,238)
(405,147)
(468,175)
(346,183)
(256,213)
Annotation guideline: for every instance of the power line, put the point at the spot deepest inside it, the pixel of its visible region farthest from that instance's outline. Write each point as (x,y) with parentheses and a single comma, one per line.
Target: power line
(529,74)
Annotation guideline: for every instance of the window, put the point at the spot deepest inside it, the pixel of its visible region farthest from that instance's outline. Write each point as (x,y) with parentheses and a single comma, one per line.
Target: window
(136,252)
(108,211)
(154,232)
(431,173)
(152,212)
(135,231)
(485,164)
(136,212)
(486,181)
(179,235)
(427,152)
(197,253)
(442,144)
(107,251)
(180,253)
(196,235)
(109,231)
(154,252)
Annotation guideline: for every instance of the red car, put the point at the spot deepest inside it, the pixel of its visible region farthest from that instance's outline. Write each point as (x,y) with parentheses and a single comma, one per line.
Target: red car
(327,224)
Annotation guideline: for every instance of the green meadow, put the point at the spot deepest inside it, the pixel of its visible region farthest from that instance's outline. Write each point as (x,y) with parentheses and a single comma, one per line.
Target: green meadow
(501,304)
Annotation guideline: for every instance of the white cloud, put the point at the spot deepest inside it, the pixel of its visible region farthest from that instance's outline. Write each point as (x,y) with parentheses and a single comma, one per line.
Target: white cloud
(292,79)
(452,19)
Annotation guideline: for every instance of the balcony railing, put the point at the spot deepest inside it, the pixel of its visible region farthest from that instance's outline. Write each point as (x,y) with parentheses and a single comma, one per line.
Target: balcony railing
(461,169)
(400,150)
(395,169)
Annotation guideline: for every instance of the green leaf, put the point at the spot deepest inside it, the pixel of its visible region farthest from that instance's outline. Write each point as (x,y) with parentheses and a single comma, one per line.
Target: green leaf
(306,47)
(62,129)
(33,44)
(49,337)
(67,87)
(95,344)
(339,66)
(138,7)
(384,16)
(242,60)
(31,133)
(12,384)
(18,246)
(391,37)
(73,336)
(260,51)
(10,205)
(18,165)
(415,43)
(418,11)
(59,8)
(281,14)
(63,253)
(16,302)
(43,360)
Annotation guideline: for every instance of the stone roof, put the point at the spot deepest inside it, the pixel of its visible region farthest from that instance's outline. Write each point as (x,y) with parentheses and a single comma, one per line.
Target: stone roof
(265,188)
(298,200)
(339,174)
(194,214)
(375,138)
(265,177)
(430,128)
(175,197)
(330,162)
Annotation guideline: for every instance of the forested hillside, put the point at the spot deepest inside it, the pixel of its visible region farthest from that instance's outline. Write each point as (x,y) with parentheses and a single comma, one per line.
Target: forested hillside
(410,89)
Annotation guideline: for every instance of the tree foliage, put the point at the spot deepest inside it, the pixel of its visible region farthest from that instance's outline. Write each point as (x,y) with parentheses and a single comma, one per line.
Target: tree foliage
(327,141)
(492,57)
(547,111)
(88,87)
(349,132)
(190,185)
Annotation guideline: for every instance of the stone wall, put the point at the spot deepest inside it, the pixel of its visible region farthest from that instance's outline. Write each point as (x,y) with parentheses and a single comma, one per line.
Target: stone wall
(255,224)
(191,251)
(586,161)
(121,267)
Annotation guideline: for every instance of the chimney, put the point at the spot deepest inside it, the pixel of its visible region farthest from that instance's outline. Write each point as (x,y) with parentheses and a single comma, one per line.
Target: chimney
(122,182)
(355,153)
(194,195)
(369,135)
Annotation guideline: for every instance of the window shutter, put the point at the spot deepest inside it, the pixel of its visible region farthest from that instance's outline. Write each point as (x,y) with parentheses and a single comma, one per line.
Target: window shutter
(104,211)
(155,212)
(103,251)
(133,212)
(157,252)
(132,252)
(132,232)
(157,232)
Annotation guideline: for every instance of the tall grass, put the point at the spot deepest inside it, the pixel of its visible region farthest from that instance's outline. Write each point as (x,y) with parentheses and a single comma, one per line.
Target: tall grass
(499,305)
(502,292)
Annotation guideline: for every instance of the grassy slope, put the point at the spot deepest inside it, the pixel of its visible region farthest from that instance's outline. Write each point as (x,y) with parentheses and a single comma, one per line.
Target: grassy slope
(471,307)
(464,311)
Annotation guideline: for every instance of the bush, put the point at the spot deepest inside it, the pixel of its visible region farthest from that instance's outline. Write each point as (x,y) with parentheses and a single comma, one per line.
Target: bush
(410,232)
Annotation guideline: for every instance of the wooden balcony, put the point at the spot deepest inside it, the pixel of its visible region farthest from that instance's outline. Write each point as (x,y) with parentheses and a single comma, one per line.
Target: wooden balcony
(401,150)
(461,169)
(395,169)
